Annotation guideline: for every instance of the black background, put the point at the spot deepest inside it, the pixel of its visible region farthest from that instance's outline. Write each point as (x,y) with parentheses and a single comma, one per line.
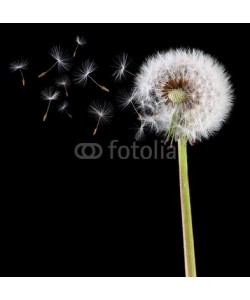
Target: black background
(61,216)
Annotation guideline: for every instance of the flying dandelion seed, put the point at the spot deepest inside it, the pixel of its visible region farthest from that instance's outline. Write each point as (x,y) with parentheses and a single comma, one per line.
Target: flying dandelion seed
(64,82)
(102,112)
(125,99)
(61,58)
(80,42)
(19,65)
(63,108)
(49,94)
(122,63)
(83,73)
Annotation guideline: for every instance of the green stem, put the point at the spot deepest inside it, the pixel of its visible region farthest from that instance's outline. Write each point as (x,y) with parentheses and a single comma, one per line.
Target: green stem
(187,228)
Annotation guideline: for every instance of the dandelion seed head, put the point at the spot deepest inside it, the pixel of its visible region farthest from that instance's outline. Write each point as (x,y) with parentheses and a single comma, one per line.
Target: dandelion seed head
(121,64)
(185,91)
(81,41)
(86,69)
(62,58)
(19,65)
(50,94)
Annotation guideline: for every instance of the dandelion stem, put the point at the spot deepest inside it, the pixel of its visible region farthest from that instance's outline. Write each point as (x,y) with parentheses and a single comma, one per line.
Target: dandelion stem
(44,73)
(23,80)
(187,228)
(100,86)
(97,125)
(75,50)
(46,114)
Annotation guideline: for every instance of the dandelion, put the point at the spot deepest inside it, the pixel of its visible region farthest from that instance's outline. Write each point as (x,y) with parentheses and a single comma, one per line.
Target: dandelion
(80,42)
(102,112)
(125,99)
(190,97)
(63,108)
(188,91)
(61,60)
(88,67)
(64,82)
(122,63)
(19,65)
(49,94)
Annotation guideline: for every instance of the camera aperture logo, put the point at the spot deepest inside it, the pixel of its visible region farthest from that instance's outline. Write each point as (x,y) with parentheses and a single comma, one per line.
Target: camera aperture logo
(114,150)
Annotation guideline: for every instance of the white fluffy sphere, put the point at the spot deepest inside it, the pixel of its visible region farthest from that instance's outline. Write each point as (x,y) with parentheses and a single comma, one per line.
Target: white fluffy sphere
(183,94)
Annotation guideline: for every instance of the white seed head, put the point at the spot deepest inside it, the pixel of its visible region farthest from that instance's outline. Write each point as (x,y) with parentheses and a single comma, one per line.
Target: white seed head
(19,65)
(82,74)
(81,41)
(121,64)
(101,110)
(50,94)
(62,58)
(63,81)
(63,106)
(184,93)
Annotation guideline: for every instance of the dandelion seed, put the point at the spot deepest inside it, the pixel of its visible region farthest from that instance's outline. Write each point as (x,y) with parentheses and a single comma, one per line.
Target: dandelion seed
(80,42)
(122,63)
(140,133)
(64,82)
(150,123)
(125,99)
(102,111)
(63,108)
(82,75)
(19,65)
(49,94)
(61,58)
